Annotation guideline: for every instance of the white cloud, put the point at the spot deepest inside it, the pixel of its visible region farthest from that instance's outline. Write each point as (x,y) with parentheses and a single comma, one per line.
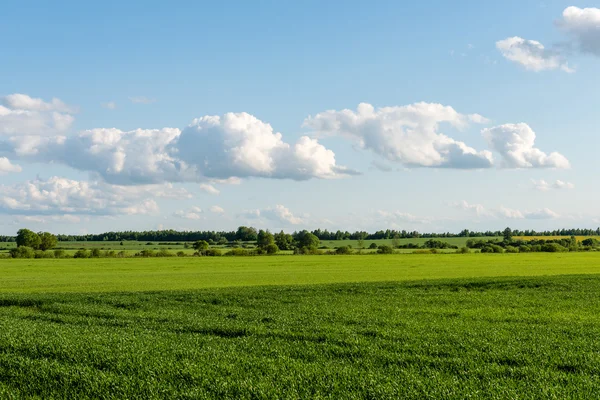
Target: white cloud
(194,213)
(398,216)
(515,143)
(505,212)
(532,55)
(583,26)
(212,149)
(407,134)
(217,210)
(6,166)
(478,209)
(279,213)
(544,213)
(111,105)
(545,186)
(241,145)
(142,100)
(24,115)
(209,188)
(62,196)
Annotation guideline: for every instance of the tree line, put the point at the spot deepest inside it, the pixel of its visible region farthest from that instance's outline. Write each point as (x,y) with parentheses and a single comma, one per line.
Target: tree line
(250,234)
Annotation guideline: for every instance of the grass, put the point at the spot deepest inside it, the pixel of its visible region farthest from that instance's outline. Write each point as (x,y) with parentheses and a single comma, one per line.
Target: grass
(110,275)
(492,338)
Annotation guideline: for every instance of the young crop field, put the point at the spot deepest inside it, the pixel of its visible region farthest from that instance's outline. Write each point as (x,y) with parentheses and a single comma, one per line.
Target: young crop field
(374,326)
(528,337)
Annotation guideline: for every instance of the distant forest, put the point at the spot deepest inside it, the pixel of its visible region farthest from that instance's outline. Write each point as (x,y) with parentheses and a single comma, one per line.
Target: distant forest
(249,234)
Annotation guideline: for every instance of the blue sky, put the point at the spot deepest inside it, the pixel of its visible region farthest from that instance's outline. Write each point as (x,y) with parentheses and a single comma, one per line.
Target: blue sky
(474,115)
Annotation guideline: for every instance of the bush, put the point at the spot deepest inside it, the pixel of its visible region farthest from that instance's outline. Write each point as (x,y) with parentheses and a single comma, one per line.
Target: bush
(343,250)
(59,253)
(463,250)
(512,249)
(109,254)
(22,252)
(272,248)
(145,253)
(180,254)
(164,253)
(373,246)
(422,251)
(553,248)
(81,254)
(385,249)
(95,253)
(121,254)
(43,254)
(524,248)
(237,252)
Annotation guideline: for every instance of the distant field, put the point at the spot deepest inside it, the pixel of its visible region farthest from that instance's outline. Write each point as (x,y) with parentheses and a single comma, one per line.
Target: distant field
(102,275)
(492,338)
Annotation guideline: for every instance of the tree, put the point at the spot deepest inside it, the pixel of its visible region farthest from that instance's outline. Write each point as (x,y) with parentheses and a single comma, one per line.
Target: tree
(28,238)
(361,240)
(47,241)
(201,245)
(396,241)
(284,240)
(246,234)
(305,239)
(264,239)
(507,233)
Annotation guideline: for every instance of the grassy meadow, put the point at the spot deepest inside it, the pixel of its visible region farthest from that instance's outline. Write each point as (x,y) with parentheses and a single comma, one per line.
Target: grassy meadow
(363,327)
(493,338)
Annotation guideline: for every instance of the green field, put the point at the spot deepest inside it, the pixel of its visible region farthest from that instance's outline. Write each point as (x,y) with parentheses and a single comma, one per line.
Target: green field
(134,274)
(400,326)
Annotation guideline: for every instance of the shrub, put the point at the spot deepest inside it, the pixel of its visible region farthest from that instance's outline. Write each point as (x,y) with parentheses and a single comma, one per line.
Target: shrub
(81,254)
(180,254)
(121,254)
(59,253)
(463,250)
(22,252)
(164,253)
(95,253)
(343,250)
(512,249)
(43,254)
(237,252)
(145,253)
(422,251)
(109,254)
(385,249)
(524,248)
(492,248)
(553,248)
(373,246)
(272,248)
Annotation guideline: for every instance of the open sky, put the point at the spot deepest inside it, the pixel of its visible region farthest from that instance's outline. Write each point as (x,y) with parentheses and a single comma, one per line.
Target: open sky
(422,115)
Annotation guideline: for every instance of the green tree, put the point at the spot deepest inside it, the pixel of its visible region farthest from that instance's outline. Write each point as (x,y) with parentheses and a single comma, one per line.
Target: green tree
(201,245)
(264,239)
(284,240)
(28,238)
(47,241)
(306,240)
(507,233)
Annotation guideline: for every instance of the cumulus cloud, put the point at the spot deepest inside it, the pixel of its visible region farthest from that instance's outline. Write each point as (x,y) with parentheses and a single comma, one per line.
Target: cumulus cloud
(241,145)
(111,105)
(515,143)
(6,166)
(478,209)
(505,212)
(194,213)
(408,134)
(583,27)
(399,217)
(208,188)
(142,100)
(217,210)
(62,196)
(22,115)
(545,186)
(279,213)
(212,149)
(532,55)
